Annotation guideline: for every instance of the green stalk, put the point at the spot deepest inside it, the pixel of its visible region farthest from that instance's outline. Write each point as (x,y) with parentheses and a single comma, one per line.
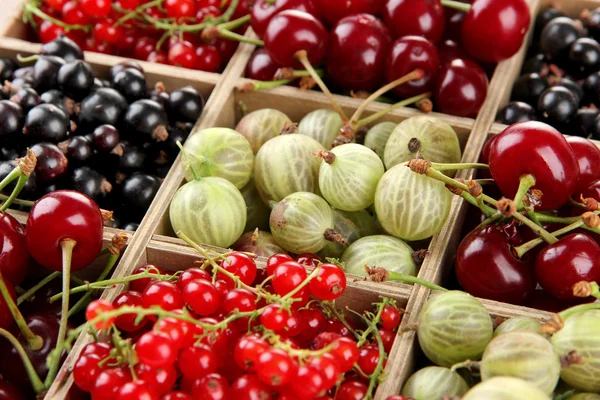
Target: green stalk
(525,247)
(525,183)
(19,186)
(14,174)
(136,11)
(36,382)
(569,312)
(236,23)
(385,111)
(34,10)
(397,276)
(31,291)
(19,202)
(34,342)
(457,5)
(229,35)
(455,166)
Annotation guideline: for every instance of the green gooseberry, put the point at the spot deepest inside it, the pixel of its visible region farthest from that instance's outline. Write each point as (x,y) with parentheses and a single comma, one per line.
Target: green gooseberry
(505,388)
(380,251)
(256,210)
(322,125)
(525,324)
(434,383)
(261,243)
(261,125)
(377,137)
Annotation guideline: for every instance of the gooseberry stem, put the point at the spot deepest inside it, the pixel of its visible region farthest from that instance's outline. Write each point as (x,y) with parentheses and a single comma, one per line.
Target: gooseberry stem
(34,342)
(414,75)
(457,5)
(36,382)
(569,312)
(67,246)
(31,291)
(302,57)
(525,183)
(385,111)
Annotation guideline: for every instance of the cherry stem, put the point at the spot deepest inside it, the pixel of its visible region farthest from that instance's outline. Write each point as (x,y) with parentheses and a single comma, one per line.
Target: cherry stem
(36,382)
(82,303)
(487,210)
(236,23)
(19,186)
(31,291)
(525,183)
(30,8)
(229,35)
(302,57)
(14,174)
(67,246)
(397,276)
(19,202)
(385,111)
(257,86)
(414,75)
(34,342)
(457,5)
(538,230)
(455,166)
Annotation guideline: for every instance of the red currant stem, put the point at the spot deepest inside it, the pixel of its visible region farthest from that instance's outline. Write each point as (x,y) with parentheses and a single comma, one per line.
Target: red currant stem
(230,10)
(385,111)
(67,246)
(525,183)
(29,8)
(229,35)
(236,23)
(302,57)
(31,291)
(302,284)
(83,302)
(137,11)
(110,282)
(301,354)
(456,166)
(374,377)
(19,202)
(36,382)
(20,184)
(365,335)
(342,318)
(414,75)
(34,342)
(457,5)
(197,176)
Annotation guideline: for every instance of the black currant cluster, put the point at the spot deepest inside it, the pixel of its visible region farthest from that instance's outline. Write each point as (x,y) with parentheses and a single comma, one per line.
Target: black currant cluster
(560,81)
(112,139)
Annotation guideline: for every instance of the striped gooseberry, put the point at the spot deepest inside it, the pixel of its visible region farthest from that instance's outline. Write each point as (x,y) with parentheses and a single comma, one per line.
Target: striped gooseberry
(434,383)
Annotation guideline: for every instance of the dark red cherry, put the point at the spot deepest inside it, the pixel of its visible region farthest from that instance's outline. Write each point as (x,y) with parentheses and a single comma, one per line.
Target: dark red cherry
(64,214)
(291,31)
(485,267)
(561,265)
(261,66)
(357,50)
(335,10)
(9,392)
(14,257)
(588,158)
(415,17)
(549,159)
(407,54)
(264,10)
(460,88)
(493,30)
(449,50)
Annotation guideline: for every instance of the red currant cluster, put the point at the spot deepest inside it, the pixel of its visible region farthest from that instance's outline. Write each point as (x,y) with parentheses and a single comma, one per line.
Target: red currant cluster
(211,335)
(161,31)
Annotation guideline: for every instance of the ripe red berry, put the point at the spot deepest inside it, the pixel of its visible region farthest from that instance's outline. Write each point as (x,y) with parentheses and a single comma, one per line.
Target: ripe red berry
(126,322)
(97,308)
(241,300)
(274,317)
(197,361)
(96,8)
(329,284)
(163,294)
(275,367)
(247,350)
(276,259)
(287,277)
(240,265)
(346,353)
(156,349)
(136,390)
(202,297)
(161,380)
(191,274)
(390,317)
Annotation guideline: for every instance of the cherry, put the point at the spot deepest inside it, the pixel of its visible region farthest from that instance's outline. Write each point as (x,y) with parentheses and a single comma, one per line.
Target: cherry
(352,390)
(261,66)
(291,31)
(202,297)
(263,10)
(61,216)
(486,267)
(407,54)
(460,88)
(164,294)
(136,390)
(415,17)
(390,317)
(550,160)
(329,284)
(126,322)
(561,265)
(247,350)
(14,257)
(156,349)
(240,265)
(334,10)
(249,387)
(493,31)
(588,158)
(139,285)
(357,49)
(9,392)
(109,382)
(211,387)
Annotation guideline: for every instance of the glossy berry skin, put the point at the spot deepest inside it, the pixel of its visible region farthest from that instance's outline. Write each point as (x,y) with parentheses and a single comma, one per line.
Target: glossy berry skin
(308,382)
(156,349)
(64,214)
(195,362)
(291,31)
(139,285)
(12,121)
(275,367)
(346,353)
(51,162)
(47,122)
(109,382)
(249,387)
(561,265)
(136,390)
(76,79)
(407,54)
(202,297)
(263,10)
(334,10)
(415,17)
(96,8)
(161,380)
(557,37)
(390,317)
(357,50)
(247,350)
(185,104)
(550,160)
(14,256)
(177,395)
(588,158)
(276,260)
(352,390)
(261,66)
(86,370)
(329,284)
(515,111)
(211,387)
(460,88)
(485,267)
(493,31)
(241,265)
(127,322)
(287,277)
(164,294)
(557,105)
(97,308)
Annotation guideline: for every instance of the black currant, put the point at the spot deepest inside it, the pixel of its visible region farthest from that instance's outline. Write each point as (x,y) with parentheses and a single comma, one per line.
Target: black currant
(584,121)
(557,37)
(11,121)
(536,63)
(133,158)
(146,120)
(584,57)
(104,106)
(529,87)
(45,71)
(58,99)
(90,183)
(27,98)
(131,83)
(115,69)
(25,72)
(76,79)
(543,18)
(591,88)
(7,153)
(185,105)
(64,48)
(515,111)
(557,105)
(105,138)
(139,190)
(78,149)
(7,68)
(593,23)
(47,122)
(573,86)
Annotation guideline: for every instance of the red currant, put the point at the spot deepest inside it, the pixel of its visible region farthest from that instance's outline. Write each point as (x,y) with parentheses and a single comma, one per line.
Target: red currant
(329,284)
(197,361)
(275,367)
(163,294)
(182,54)
(308,383)
(249,387)
(96,8)
(240,265)
(390,317)
(181,332)
(49,31)
(202,297)
(126,322)
(211,387)
(139,285)
(86,370)
(287,277)
(241,300)
(274,317)
(136,390)
(308,259)
(177,395)
(160,380)
(247,350)
(352,390)
(180,9)
(190,274)
(156,349)
(346,353)
(97,308)
(109,381)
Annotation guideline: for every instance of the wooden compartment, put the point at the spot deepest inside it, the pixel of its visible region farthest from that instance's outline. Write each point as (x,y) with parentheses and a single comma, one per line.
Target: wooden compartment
(173,257)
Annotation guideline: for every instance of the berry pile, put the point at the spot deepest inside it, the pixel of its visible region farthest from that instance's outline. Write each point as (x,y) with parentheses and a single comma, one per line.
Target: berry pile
(560,81)
(229,330)
(113,140)
(160,31)
(365,44)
